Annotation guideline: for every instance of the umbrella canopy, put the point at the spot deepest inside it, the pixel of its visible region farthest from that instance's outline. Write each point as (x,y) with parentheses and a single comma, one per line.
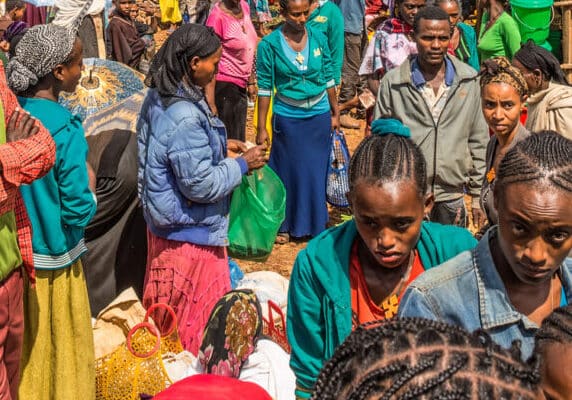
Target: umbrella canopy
(103,84)
(123,115)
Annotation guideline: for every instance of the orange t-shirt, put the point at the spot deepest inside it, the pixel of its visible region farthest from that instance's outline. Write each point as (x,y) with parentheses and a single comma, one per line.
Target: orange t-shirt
(364,308)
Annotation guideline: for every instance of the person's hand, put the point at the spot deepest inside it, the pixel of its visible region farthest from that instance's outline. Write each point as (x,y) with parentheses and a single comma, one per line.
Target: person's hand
(479,217)
(252,91)
(335,122)
(255,157)
(262,136)
(92,179)
(21,125)
(235,147)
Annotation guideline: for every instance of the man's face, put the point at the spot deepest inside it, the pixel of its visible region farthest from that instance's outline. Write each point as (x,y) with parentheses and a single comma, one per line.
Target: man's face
(432,38)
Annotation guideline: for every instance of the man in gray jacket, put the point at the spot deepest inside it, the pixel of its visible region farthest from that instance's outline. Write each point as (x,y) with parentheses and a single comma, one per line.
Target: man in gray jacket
(438,98)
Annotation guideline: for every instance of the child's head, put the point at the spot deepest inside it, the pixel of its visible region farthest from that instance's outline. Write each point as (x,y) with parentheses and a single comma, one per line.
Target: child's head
(414,358)
(124,7)
(388,184)
(554,346)
(190,54)
(47,55)
(15,9)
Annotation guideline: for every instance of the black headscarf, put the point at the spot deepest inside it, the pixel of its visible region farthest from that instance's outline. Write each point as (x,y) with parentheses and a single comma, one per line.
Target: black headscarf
(535,57)
(170,64)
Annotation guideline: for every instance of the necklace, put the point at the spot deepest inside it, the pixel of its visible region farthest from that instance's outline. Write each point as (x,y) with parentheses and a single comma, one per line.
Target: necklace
(551,296)
(391,303)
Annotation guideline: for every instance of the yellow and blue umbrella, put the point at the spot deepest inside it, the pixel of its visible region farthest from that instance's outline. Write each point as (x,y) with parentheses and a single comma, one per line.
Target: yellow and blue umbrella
(109,96)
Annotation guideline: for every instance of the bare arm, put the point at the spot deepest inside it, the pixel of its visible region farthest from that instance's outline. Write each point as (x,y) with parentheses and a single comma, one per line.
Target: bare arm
(263,106)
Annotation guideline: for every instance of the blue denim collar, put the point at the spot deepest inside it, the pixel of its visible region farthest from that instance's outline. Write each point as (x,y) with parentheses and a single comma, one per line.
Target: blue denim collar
(418,79)
(495,308)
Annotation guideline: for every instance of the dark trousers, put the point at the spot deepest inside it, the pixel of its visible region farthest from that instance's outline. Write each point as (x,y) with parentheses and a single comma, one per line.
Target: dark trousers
(352,84)
(231,101)
(451,212)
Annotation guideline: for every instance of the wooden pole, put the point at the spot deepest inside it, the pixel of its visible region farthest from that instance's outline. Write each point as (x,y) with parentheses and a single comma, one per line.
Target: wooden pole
(566,40)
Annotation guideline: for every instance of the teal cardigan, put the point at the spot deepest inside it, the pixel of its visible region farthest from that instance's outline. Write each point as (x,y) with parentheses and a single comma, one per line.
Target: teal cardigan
(60,205)
(469,34)
(319,296)
(328,19)
(275,70)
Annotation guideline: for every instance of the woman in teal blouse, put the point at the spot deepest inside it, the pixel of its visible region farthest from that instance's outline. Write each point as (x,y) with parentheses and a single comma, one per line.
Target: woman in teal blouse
(295,60)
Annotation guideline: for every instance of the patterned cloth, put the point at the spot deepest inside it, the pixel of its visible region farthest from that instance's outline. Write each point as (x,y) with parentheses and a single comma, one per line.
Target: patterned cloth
(231,333)
(22,162)
(389,48)
(30,65)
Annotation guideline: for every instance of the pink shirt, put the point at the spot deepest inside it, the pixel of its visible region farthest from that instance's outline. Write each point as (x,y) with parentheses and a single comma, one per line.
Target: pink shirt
(239,42)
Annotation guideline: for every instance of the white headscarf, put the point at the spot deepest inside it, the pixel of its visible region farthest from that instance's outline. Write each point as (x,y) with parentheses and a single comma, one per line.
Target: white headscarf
(70,13)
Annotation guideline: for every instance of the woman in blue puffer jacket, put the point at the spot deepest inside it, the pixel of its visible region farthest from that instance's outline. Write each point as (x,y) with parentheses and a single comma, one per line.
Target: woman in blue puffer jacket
(185,180)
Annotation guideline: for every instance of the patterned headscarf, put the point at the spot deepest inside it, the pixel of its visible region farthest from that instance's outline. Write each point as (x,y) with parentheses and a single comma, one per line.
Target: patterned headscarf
(42,48)
(499,70)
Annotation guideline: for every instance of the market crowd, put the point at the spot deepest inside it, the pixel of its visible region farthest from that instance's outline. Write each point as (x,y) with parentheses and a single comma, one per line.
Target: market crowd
(451,279)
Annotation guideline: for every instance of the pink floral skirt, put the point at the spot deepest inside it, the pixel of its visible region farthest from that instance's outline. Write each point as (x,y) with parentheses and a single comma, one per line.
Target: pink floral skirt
(190,278)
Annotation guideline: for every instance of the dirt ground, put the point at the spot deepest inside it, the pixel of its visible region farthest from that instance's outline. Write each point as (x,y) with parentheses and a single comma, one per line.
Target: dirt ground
(282,257)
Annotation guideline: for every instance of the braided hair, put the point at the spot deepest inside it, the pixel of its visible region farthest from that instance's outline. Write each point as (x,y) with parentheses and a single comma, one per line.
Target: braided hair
(388,155)
(544,157)
(415,358)
(556,328)
(500,70)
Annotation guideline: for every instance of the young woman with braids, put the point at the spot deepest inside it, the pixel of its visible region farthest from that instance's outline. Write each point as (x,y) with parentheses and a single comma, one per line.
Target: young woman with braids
(519,272)
(550,95)
(415,358)
(503,92)
(357,272)
(554,347)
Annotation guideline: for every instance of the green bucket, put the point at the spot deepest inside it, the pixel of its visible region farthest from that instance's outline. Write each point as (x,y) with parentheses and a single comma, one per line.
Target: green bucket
(533,18)
(555,40)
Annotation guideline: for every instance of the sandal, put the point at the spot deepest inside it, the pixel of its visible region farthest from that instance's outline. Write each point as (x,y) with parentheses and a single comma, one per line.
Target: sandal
(282,238)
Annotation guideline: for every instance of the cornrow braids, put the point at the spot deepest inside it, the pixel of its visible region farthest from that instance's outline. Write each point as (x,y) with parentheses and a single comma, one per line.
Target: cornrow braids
(556,328)
(415,358)
(543,157)
(388,158)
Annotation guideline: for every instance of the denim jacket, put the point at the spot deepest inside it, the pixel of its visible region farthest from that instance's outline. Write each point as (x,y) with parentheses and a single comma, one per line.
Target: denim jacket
(468,291)
(184,178)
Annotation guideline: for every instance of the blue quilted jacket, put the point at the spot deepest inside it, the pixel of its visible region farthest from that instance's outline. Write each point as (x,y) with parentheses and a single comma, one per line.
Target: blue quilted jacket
(185,179)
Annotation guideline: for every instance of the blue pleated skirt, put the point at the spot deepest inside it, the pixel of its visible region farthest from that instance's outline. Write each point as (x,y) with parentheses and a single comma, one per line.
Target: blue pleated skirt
(299,156)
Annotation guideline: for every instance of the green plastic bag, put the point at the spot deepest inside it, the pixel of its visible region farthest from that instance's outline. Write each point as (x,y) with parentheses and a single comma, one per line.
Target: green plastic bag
(257,210)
